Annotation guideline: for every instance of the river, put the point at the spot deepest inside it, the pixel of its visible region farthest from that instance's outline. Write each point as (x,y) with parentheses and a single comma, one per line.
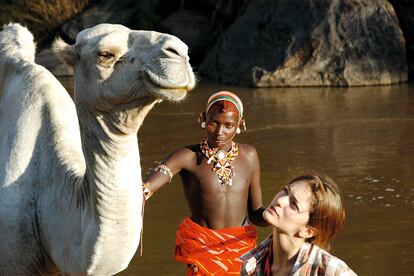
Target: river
(361,137)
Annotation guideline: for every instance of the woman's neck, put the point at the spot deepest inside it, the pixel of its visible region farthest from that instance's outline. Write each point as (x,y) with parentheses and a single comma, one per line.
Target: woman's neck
(285,251)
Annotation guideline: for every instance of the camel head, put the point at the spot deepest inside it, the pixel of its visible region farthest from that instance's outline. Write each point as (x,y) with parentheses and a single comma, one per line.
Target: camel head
(115,65)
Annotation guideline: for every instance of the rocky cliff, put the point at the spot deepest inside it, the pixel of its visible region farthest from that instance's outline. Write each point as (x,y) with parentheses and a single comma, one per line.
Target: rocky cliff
(311,43)
(274,42)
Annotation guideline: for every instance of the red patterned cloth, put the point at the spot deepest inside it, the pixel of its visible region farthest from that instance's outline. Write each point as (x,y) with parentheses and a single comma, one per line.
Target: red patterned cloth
(213,251)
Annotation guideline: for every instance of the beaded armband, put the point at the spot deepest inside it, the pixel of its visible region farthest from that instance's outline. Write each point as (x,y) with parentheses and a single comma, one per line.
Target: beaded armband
(146,190)
(165,170)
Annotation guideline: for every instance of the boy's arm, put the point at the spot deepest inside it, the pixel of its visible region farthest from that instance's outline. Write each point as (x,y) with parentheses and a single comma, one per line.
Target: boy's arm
(164,172)
(255,203)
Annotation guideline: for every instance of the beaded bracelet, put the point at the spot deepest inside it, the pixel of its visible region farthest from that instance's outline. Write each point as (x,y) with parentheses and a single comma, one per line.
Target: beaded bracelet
(165,170)
(146,190)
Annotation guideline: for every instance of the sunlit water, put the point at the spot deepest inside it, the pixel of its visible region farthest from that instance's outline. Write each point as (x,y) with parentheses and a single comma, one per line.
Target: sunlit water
(361,137)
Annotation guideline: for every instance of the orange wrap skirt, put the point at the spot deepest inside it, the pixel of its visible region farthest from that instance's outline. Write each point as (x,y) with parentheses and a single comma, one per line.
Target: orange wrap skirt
(213,251)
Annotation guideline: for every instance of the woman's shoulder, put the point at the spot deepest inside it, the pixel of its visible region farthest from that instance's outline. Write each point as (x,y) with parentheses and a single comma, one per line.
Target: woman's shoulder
(254,260)
(332,265)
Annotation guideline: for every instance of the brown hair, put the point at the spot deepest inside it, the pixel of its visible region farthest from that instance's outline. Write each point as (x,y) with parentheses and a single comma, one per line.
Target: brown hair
(327,216)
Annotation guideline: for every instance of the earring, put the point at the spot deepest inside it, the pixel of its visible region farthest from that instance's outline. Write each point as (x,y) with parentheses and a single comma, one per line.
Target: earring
(238,130)
(244,125)
(203,125)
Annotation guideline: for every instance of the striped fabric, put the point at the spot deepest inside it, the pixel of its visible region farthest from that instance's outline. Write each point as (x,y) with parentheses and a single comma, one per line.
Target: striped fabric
(311,261)
(213,252)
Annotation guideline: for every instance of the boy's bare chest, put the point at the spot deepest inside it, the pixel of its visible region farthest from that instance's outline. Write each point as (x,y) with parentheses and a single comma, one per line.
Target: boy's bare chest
(206,176)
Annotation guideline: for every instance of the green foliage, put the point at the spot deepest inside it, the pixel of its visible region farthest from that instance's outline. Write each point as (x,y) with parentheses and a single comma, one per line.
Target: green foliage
(42,17)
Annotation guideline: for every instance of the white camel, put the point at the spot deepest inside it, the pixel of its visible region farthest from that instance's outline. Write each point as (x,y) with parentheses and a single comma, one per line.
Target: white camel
(70,180)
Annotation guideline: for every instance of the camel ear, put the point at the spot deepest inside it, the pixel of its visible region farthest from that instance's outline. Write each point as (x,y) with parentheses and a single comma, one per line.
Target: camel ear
(64,51)
(307,232)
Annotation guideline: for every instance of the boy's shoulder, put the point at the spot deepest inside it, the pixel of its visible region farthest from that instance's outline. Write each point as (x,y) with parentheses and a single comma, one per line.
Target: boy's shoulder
(248,150)
(185,152)
(192,148)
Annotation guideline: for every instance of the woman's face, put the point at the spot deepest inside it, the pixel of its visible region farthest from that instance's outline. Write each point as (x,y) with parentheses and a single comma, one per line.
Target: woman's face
(289,209)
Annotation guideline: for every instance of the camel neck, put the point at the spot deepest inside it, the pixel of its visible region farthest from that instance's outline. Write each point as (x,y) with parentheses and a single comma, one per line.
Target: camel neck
(110,146)
(113,177)
(110,143)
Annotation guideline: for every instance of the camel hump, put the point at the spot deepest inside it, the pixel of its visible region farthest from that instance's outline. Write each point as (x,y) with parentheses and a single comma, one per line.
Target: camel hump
(17,41)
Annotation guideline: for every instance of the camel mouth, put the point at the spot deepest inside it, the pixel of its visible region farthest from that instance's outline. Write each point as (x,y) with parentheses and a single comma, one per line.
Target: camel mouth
(165,93)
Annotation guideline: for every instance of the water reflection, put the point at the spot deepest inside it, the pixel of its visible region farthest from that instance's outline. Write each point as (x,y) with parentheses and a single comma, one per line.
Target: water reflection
(361,137)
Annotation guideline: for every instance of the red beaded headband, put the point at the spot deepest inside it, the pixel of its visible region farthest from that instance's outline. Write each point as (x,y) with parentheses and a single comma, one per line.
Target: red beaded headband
(225,96)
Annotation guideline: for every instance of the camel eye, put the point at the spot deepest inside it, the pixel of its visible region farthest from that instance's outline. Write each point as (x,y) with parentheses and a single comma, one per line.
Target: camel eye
(105,55)
(106,59)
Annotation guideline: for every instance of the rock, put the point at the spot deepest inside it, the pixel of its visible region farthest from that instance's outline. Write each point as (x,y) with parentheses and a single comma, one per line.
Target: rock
(225,13)
(310,43)
(405,12)
(199,23)
(126,12)
(192,28)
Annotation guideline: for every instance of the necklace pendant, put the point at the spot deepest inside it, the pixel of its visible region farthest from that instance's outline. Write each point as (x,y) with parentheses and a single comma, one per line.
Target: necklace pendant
(222,162)
(221,155)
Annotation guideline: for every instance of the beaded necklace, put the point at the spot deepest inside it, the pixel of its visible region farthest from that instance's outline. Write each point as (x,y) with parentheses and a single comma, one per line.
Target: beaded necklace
(221,161)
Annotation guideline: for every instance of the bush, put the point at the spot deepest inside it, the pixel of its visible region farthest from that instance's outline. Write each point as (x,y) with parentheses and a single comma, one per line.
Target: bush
(42,17)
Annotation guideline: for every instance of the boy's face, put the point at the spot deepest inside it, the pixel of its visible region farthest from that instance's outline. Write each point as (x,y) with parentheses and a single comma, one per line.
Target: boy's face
(221,127)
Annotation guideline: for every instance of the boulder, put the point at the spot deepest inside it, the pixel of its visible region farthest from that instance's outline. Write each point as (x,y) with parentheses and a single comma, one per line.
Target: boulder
(130,13)
(199,23)
(405,12)
(191,27)
(310,43)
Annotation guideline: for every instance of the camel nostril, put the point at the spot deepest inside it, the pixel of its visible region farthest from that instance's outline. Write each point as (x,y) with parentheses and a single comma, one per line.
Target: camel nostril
(172,51)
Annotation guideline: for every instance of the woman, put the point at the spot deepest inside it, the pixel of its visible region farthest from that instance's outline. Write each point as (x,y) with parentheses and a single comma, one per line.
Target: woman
(305,216)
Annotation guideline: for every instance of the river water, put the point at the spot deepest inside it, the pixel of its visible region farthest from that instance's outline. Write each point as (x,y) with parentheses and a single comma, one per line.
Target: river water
(361,137)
